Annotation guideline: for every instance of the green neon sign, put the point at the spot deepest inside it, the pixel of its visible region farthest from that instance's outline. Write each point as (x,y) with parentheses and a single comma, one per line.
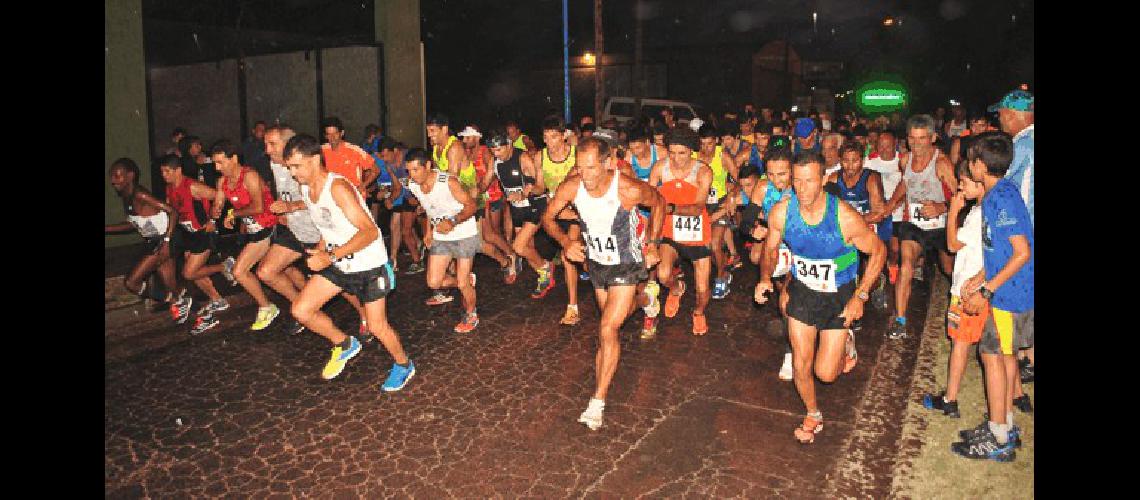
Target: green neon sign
(881,96)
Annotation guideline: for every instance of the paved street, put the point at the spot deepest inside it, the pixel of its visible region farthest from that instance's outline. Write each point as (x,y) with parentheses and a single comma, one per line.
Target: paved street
(493,413)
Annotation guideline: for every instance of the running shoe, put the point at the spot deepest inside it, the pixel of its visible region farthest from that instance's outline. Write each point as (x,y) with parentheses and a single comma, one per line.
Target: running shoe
(897,330)
(180,309)
(474,278)
(439,298)
(214,306)
(545,281)
(653,291)
(786,371)
(893,273)
(592,417)
(879,298)
(228,270)
(398,377)
(339,358)
(203,323)
(1023,404)
(415,268)
(807,430)
(975,433)
(857,325)
(700,325)
(571,317)
(673,301)
(364,335)
(265,317)
(918,273)
(510,272)
(584,276)
(1026,370)
(985,447)
(678,272)
(720,288)
(852,354)
(649,328)
(937,403)
(470,321)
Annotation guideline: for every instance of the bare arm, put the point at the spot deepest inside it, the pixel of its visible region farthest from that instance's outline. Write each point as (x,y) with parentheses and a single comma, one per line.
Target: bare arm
(856,232)
(562,198)
(772,243)
(254,186)
(368,171)
(875,190)
(171,214)
(463,197)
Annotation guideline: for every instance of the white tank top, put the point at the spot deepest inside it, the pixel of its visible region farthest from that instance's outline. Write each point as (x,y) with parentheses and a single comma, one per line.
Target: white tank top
(152,226)
(610,230)
(288,189)
(667,172)
(889,170)
(440,203)
(336,229)
(920,187)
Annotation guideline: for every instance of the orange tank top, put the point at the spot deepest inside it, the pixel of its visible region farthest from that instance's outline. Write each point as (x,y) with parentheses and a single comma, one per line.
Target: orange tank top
(684,229)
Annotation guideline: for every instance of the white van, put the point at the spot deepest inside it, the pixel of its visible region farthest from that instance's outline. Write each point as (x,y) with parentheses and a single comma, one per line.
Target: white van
(623,109)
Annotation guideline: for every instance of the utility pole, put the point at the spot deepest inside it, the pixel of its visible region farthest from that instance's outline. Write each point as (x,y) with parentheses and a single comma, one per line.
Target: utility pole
(599,83)
(566,60)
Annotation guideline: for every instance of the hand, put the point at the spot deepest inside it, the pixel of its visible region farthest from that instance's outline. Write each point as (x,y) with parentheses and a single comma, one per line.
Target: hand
(763,288)
(929,210)
(651,257)
(972,285)
(514,197)
(445,226)
(279,207)
(852,311)
(957,202)
(575,251)
(210,227)
(388,203)
(229,220)
(759,232)
(428,239)
(318,259)
(975,304)
(163,249)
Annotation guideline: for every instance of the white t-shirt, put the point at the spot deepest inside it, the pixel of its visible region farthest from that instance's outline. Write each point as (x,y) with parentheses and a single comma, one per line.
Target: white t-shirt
(889,170)
(968,261)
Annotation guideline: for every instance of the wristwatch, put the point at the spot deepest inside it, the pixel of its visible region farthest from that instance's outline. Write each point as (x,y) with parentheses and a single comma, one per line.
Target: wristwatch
(986,293)
(863,296)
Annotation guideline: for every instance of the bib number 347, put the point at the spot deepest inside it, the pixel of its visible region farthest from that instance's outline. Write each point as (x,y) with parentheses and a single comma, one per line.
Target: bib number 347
(816,274)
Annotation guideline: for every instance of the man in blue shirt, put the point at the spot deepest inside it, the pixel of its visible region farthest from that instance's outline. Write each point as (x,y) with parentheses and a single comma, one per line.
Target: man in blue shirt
(1004,291)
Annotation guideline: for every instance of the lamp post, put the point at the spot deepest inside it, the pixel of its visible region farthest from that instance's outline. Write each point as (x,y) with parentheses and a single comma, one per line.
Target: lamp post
(566,60)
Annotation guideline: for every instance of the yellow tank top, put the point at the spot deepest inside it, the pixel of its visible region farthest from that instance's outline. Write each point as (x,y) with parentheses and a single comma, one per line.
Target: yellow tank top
(466,175)
(720,176)
(554,173)
(439,155)
(519,144)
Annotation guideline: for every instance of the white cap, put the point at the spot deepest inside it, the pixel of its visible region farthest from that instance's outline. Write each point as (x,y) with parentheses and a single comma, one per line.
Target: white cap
(696,123)
(469,131)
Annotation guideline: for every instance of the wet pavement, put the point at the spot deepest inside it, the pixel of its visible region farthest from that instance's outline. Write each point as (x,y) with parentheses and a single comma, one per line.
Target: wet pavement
(494,412)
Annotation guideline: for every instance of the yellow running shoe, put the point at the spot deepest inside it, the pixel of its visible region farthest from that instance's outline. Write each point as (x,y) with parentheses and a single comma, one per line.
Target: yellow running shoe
(265,317)
(340,358)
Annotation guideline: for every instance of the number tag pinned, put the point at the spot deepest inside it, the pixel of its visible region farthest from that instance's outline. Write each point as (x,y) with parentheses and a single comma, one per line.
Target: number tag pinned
(816,274)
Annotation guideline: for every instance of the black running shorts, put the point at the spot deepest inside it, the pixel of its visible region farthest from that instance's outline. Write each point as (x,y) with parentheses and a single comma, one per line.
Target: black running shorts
(818,309)
(368,286)
(934,239)
(194,242)
(692,253)
(631,273)
(284,237)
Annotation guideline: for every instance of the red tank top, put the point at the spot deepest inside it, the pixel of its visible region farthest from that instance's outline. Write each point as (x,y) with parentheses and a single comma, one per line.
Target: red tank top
(240,198)
(494,191)
(183,201)
(686,230)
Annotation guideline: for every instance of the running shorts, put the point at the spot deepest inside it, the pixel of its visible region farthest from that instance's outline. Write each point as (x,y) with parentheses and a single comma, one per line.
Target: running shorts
(368,286)
(630,273)
(1006,331)
(819,309)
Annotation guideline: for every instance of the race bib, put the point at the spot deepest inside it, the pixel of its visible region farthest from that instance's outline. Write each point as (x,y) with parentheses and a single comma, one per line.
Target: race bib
(686,228)
(783,262)
(603,249)
(915,209)
(817,274)
(713,196)
(251,225)
(524,202)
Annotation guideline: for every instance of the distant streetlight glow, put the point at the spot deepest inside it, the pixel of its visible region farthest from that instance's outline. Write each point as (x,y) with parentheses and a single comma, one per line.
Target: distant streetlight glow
(589,59)
(888,21)
(814,18)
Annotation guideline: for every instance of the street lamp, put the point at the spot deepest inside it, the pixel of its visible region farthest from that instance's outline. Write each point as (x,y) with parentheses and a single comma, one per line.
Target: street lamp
(589,59)
(888,21)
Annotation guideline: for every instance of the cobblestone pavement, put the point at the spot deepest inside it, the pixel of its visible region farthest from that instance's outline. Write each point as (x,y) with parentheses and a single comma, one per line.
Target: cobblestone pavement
(493,413)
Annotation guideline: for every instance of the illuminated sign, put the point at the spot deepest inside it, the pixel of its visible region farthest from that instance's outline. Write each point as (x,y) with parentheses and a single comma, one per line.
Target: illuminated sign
(881,96)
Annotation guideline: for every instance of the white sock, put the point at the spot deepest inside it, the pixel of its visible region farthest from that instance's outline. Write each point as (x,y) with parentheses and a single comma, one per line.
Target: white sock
(1009,418)
(1001,432)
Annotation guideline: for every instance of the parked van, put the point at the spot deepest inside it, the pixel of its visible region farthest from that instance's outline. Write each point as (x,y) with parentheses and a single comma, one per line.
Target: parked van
(623,109)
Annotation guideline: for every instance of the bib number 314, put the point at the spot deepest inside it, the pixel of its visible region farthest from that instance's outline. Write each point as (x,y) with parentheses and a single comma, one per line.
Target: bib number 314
(816,274)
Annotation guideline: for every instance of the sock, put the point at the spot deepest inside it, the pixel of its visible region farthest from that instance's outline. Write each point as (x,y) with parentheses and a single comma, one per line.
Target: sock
(599,404)
(818,415)
(1009,418)
(572,306)
(405,365)
(1001,432)
(901,320)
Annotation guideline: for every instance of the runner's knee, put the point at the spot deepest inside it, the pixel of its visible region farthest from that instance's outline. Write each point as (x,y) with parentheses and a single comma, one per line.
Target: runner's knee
(302,312)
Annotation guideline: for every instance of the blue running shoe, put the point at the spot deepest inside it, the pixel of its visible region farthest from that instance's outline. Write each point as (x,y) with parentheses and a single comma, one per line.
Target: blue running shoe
(339,358)
(399,377)
(720,289)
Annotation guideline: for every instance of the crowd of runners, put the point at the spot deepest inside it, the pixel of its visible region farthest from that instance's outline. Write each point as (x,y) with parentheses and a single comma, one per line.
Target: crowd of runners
(835,211)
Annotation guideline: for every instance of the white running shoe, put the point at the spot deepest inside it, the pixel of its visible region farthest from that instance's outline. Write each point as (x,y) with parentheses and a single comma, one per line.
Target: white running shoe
(786,369)
(592,417)
(652,290)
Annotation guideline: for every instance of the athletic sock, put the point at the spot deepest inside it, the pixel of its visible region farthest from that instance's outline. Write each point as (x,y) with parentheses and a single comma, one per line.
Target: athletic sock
(1009,418)
(1001,432)
(818,415)
(142,290)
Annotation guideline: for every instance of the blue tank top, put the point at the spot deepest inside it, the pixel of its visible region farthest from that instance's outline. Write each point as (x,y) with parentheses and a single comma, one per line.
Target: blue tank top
(381,166)
(754,158)
(773,196)
(857,195)
(643,173)
(822,242)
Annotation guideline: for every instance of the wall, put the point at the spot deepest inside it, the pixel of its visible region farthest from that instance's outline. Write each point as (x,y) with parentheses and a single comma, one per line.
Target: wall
(398,29)
(282,88)
(124,104)
(351,88)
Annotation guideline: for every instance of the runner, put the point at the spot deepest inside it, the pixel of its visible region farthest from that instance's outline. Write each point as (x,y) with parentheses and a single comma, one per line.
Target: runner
(642,153)
(519,139)
(720,203)
(517,174)
(885,161)
(925,173)
(400,204)
(452,233)
(607,201)
(863,190)
(685,183)
(807,137)
(346,159)
(350,257)
(489,204)
(155,222)
(196,239)
(553,172)
(830,150)
(824,236)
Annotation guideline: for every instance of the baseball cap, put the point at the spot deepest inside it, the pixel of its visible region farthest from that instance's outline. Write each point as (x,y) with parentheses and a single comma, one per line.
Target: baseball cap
(804,127)
(1017,100)
(469,131)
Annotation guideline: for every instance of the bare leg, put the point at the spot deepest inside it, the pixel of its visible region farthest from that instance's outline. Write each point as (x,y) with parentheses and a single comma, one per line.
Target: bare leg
(996,387)
(463,282)
(307,309)
(702,268)
(616,302)
(832,354)
(250,254)
(271,271)
(524,246)
(910,252)
(959,355)
(570,270)
(377,312)
(802,338)
(194,271)
(717,244)
(395,230)
(296,277)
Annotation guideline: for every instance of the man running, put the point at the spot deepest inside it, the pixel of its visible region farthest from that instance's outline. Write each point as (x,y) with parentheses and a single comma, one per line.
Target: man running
(553,173)
(518,139)
(720,202)
(349,257)
(885,161)
(517,174)
(607,201)
(824,236)
(489,204)
(346,159)
(685,184)
(863,190)
(925,173)
(450,233)
(400,204)
(155,222)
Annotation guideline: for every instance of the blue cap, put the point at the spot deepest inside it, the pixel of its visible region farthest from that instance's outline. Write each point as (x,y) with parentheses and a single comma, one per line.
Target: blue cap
(804,127)
(1017,100)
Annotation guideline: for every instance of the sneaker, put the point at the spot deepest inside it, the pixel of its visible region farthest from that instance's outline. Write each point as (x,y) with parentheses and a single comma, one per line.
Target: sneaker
(807,430)
(363,334)
(673,301)
(653,290)
(700,325)
(786,372)
(265,317)
(180,309)
(918,273)
(985,447)
(649,328)
(678,272)
(592,417)
(470,321)
(295,327)
(852,354)
(857,325)
(415,268)
(519,264)
(1026,370)
(203,323)
(720,289)
(214,306)
(339,358)
(936,402)
(571,317)
(976,433)
(545,281)
(439,298)
(1023,404)
(897,330)
(510,272)
(474,278)
(228,270)
(398,377)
